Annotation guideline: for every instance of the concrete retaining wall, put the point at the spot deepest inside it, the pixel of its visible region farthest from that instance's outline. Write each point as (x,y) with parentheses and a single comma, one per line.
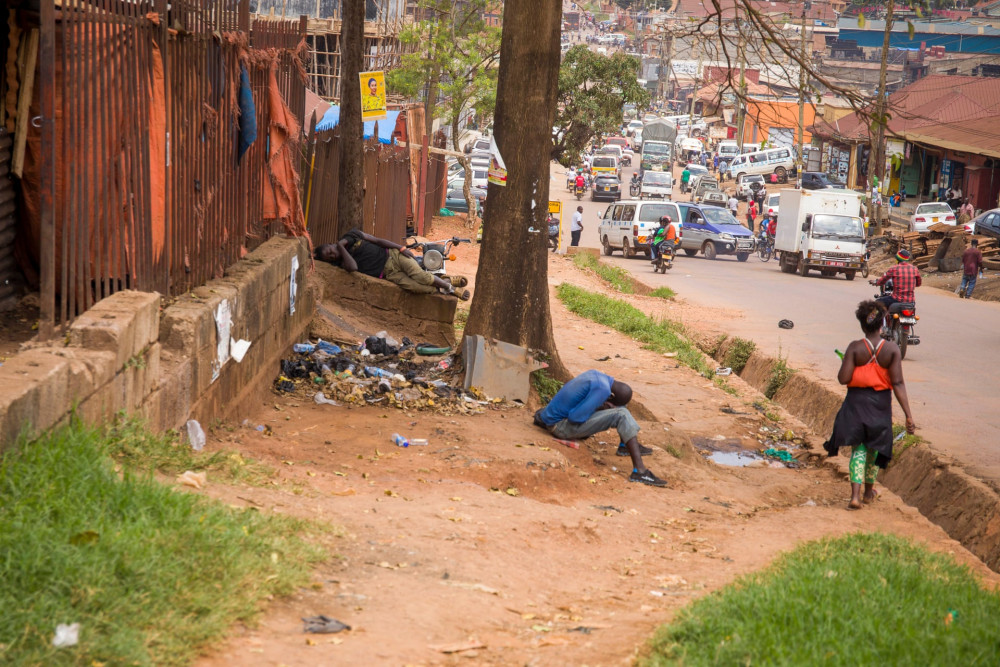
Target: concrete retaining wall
(130,354)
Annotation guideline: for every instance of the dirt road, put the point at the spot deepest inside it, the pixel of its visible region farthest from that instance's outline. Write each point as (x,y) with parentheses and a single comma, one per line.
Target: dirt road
(497,537)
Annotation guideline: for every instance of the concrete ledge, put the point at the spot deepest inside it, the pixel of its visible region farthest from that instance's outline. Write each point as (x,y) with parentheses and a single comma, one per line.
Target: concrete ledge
(125,323)
(427,317)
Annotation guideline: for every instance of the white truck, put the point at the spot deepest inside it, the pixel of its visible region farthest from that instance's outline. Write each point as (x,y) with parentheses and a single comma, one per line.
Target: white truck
(822,230)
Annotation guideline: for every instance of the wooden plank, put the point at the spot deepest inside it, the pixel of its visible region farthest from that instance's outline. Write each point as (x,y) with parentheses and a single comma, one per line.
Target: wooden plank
(24,102)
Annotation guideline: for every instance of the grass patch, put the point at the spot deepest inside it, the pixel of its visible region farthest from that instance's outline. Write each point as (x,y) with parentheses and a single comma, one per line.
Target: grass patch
(659,336)
(546,385)
(615,276)
(461,318)
(780,374)
(907,441)
(663,293)
(862,599)
(130,444)
(739,353)
(152,574)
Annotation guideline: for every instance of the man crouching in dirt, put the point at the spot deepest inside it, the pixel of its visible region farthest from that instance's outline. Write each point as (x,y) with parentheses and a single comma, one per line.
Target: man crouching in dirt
(380,258)
(593,402)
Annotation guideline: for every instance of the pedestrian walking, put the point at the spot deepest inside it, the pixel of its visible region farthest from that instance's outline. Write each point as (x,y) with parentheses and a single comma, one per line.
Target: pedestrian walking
(751,213)
(972,267)
(966,211)
(734,205)
(872,369)
(715,163)
(723,170)
(576,227)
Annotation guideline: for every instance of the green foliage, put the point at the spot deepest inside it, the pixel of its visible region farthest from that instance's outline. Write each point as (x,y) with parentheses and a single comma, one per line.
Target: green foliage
(660,336)
(546,385)
(152,574)
(860,599)
(780,374)
(615,276)
(663,293)
(739,354)
(593,88)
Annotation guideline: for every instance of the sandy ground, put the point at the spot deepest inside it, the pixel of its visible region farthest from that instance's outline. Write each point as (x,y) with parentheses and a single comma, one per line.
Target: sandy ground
(500,544)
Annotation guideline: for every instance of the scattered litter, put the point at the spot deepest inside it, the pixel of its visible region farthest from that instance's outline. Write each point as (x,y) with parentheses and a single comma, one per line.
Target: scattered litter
(603,359)
(786,324)
(582,629)
(195,435)
(809,503)
(196,480)
(482,588)
(723,371)
(459,647)
(607,508)
(568,443)
(670,355)
(780,454)
(399,440)
(238,349)
(66,635)
(321,399)
(323,625)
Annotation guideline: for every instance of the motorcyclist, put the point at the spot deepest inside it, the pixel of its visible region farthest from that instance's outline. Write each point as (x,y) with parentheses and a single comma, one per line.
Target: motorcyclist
(581,182)
(667,231)
(570,176)
(905,280)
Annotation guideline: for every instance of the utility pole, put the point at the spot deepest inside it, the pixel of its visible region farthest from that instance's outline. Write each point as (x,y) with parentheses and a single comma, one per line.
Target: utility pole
(741,97)
(802,93)
(876,156)
(697,71)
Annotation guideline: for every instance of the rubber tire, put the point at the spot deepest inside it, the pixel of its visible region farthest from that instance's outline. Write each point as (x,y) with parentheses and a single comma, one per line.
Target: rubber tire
(785,266)
(742,256)
(991,264)
(764,254)
(850,275)
(689,252)
(781,173)
(902,339)
(607,246)
(709,250)
(627,250)
(802,269)
(864,271)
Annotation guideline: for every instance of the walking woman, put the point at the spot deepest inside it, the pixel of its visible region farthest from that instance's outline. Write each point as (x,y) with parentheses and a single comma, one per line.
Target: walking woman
(872,370)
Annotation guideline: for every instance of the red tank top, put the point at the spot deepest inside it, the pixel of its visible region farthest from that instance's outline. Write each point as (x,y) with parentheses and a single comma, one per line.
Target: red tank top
(872,375)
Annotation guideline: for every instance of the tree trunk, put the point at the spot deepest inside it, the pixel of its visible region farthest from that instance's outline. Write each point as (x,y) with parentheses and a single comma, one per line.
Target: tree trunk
(512,291)
(351,175)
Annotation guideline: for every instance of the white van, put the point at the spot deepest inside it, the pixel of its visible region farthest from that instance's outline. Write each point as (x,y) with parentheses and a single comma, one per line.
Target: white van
(728,150)
(605,164)
(626,225)
(656,185)
(778,161)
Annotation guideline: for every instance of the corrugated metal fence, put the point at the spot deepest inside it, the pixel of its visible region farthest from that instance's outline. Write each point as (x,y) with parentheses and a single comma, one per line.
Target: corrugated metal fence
(140,182)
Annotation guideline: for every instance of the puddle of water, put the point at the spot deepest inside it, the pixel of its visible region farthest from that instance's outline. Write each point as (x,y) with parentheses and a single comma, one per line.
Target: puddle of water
(738,459)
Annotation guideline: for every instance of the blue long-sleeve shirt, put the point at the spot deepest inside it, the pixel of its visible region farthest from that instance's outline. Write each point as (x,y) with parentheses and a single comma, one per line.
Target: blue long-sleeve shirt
(578,399)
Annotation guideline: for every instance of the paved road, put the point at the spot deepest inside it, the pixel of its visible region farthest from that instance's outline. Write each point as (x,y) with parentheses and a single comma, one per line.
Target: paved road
(951,377)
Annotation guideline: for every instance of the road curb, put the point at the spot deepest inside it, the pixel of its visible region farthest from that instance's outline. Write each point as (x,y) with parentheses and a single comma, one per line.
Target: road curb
(965,507)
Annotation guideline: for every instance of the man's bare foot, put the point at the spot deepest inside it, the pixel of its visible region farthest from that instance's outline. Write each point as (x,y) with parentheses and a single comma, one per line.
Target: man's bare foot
(854,505)
(870,497)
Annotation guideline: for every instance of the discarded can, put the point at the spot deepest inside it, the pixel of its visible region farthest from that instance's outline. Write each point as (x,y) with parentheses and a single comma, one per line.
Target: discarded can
(399,440)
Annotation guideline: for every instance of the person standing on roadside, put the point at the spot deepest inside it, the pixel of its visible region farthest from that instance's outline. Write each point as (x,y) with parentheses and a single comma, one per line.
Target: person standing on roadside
(685,178)
(966,211)
(576,227)
(751,212)
(972,266)
(872,369)
(734,205)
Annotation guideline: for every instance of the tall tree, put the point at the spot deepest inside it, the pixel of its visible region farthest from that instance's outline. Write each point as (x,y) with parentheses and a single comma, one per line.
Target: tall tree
(351,175)
(512,291)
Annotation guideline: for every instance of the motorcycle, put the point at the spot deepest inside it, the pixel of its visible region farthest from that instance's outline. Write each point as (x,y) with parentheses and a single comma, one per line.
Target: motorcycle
(435,255)
(554,235)
(902,317)
(864,263)
(665,252)
(765,245)
(580,191)
(634,188)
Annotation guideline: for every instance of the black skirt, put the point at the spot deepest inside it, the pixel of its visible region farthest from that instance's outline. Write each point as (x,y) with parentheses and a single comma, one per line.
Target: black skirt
(865,418)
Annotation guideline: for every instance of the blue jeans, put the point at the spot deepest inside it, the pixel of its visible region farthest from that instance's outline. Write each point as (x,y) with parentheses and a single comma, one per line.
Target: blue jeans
(602,420)
(968,284)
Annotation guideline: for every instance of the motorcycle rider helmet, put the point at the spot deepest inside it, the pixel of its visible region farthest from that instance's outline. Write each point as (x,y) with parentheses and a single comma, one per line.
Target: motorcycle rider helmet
(665,220)
(904,255)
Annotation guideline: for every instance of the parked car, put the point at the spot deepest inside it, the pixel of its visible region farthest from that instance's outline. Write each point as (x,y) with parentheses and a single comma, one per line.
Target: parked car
(771,205)
(481,144)
(455,200)
(656,185)
(929,214)
(706,183)
(747,184)
(607,188)
(697,171)
(715,198)
(987,223)
(714,231)
(815,180)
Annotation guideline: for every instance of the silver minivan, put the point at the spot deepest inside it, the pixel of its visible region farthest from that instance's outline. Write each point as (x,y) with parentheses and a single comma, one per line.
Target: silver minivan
(626,225)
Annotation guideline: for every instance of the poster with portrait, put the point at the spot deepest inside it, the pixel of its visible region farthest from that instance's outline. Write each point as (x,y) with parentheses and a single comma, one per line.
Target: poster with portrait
(373,105)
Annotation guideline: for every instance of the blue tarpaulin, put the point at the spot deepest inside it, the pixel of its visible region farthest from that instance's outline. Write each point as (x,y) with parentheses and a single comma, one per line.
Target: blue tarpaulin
(331,119)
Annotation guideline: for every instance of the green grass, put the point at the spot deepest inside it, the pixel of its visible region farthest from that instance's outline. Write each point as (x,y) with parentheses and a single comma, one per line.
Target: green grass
(739,353)
(663,293)
(152,574)
(907,441)
(780,374)
(659,336)
(617,277)
(461,317)
(861,599)
(546,385)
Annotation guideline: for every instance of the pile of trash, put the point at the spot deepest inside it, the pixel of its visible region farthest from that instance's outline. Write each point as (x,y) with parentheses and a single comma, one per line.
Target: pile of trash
(381,371)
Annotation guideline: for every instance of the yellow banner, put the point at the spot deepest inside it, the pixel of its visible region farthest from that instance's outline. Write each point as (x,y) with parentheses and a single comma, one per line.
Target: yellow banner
(373,105)
(555,207)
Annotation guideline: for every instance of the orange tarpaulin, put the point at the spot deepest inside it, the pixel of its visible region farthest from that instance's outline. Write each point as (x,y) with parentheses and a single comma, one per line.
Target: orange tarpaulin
(281,182)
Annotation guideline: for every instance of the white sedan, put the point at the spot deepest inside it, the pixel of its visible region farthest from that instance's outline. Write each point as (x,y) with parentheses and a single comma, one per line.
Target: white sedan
(930,214)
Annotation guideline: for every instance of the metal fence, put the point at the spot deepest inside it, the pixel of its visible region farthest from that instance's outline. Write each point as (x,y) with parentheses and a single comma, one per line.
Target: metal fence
(386,189)
(139,181)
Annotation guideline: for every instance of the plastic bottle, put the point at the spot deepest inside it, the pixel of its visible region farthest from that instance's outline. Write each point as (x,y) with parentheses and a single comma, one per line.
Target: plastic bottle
(839,353)
(419,442)
(304,348)
(376,372)
(195,434)
(399,440)
(329,348)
